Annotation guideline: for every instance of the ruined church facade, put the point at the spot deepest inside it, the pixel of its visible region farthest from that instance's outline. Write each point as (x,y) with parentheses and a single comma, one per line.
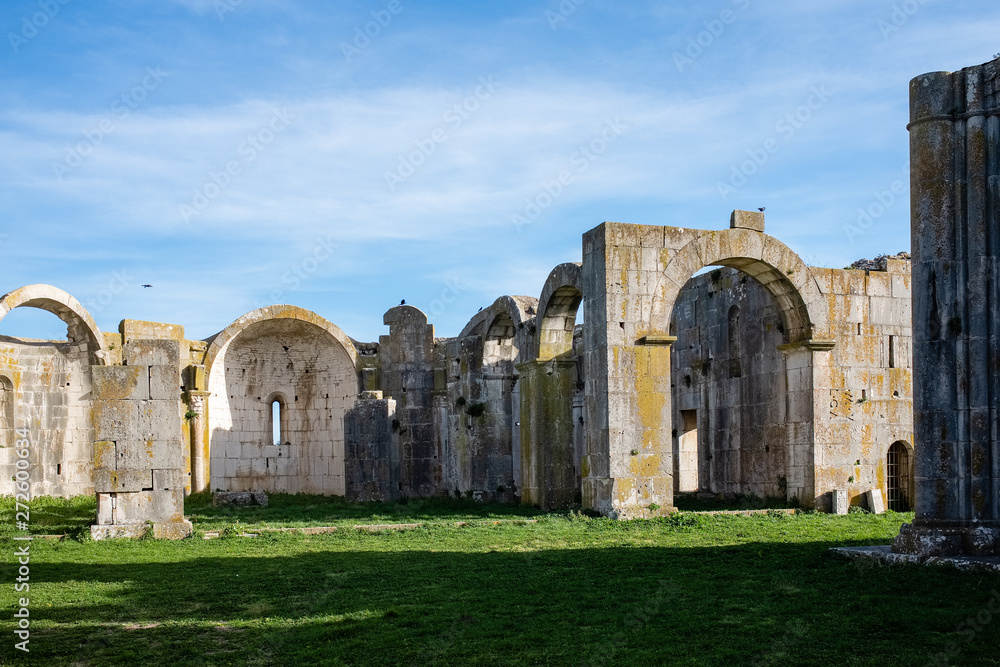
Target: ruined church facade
(761,375)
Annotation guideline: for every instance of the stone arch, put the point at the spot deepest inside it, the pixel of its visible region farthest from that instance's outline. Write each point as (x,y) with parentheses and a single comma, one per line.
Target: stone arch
(770,262)
(803,325)
(220,341)
(557,309)
(295,356)
(499,326)
(80,326)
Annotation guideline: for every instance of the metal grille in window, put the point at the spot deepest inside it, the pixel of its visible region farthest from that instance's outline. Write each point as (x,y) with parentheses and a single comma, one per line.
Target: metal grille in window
(898,478)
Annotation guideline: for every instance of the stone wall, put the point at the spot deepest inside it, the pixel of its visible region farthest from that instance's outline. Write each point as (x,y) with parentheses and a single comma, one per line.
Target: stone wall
(45,387)
(312,378)
(728,380)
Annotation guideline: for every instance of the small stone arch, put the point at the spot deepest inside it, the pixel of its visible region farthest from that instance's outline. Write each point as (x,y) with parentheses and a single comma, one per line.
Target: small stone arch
(770,262)
(80,326)
(499,325)
(557,310)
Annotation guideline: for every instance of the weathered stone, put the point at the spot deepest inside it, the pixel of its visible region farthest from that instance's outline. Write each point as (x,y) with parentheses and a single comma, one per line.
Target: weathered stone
(239,498)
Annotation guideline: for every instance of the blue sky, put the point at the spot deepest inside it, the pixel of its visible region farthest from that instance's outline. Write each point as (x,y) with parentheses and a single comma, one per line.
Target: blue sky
(343,156)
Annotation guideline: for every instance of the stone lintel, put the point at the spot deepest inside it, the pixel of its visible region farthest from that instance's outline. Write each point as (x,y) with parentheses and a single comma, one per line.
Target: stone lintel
(656,339)
(812,344)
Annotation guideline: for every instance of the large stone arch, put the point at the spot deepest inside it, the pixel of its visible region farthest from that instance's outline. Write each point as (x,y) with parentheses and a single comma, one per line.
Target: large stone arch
(310,362)
(628,466)
(220,341)
(80,326)
(766,259)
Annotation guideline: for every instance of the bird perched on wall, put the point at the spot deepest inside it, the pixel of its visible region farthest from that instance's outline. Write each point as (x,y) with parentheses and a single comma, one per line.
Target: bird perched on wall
(147,285)
(761,209)
(402,302)
(480,309)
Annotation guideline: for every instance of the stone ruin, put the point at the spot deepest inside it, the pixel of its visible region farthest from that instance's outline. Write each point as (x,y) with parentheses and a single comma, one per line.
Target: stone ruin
(955,212)
(760,375)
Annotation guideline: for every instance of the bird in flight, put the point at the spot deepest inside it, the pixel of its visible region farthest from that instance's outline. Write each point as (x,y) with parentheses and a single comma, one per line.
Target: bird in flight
(761,209)
(147,285)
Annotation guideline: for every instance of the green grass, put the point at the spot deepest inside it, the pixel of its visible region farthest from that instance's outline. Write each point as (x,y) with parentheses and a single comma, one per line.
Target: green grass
(566,590)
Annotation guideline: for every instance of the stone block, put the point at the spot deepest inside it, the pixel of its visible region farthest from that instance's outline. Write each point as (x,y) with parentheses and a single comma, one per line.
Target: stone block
(875,503)
(118,481)
(152,353)
(753,220)
(159,419)
(839,501)
(115,420)
(120,383)
(168,480)
(164,384)
(104,455)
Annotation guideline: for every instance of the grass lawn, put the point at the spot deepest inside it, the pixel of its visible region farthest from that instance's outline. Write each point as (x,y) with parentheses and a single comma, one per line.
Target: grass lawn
(564,589)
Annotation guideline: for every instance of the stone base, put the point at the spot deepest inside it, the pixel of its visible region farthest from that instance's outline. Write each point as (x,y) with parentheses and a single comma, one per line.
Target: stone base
(239,498)
(641,512)
(948,540)
(883,555)
(170,530)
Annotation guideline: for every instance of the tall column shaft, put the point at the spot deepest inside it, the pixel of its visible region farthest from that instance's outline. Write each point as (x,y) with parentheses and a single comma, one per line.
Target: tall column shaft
(955,217)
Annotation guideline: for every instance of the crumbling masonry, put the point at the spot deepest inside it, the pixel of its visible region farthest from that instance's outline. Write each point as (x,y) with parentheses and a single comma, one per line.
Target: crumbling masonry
(762,376)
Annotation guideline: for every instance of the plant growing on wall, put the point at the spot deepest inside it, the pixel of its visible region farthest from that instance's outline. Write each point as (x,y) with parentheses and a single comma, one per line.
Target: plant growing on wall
(476,409)
(191,414)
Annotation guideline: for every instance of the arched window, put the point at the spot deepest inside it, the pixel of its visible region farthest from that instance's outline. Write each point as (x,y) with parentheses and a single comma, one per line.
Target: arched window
(735,353)
(277,418)
(898,477)
(6,412)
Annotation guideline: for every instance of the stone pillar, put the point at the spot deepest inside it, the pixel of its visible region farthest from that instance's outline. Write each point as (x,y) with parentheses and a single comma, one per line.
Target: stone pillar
(139,448)
(628,465)
(955,214)
(548,478)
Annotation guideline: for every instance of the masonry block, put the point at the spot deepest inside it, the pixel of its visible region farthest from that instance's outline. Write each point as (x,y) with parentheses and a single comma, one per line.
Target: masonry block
(125,480)
(164,383)
(120,383)
(152,353)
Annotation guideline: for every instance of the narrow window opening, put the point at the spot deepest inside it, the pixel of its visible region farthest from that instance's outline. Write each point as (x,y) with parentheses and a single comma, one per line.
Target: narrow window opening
(276,421)
(58,468)
(892,351)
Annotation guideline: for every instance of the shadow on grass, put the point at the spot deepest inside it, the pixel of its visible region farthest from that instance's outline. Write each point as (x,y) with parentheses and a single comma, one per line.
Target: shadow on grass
(305,601)
(317,510)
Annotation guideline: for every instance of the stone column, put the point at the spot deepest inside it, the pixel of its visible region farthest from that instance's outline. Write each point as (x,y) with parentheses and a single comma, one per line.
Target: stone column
(955,213)
(198,404)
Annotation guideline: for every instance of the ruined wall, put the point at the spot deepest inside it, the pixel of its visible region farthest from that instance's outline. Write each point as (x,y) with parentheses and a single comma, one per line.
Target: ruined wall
(728,381)
(864,389)
(314,379)
(406,362)
(728,370)
(45,387)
